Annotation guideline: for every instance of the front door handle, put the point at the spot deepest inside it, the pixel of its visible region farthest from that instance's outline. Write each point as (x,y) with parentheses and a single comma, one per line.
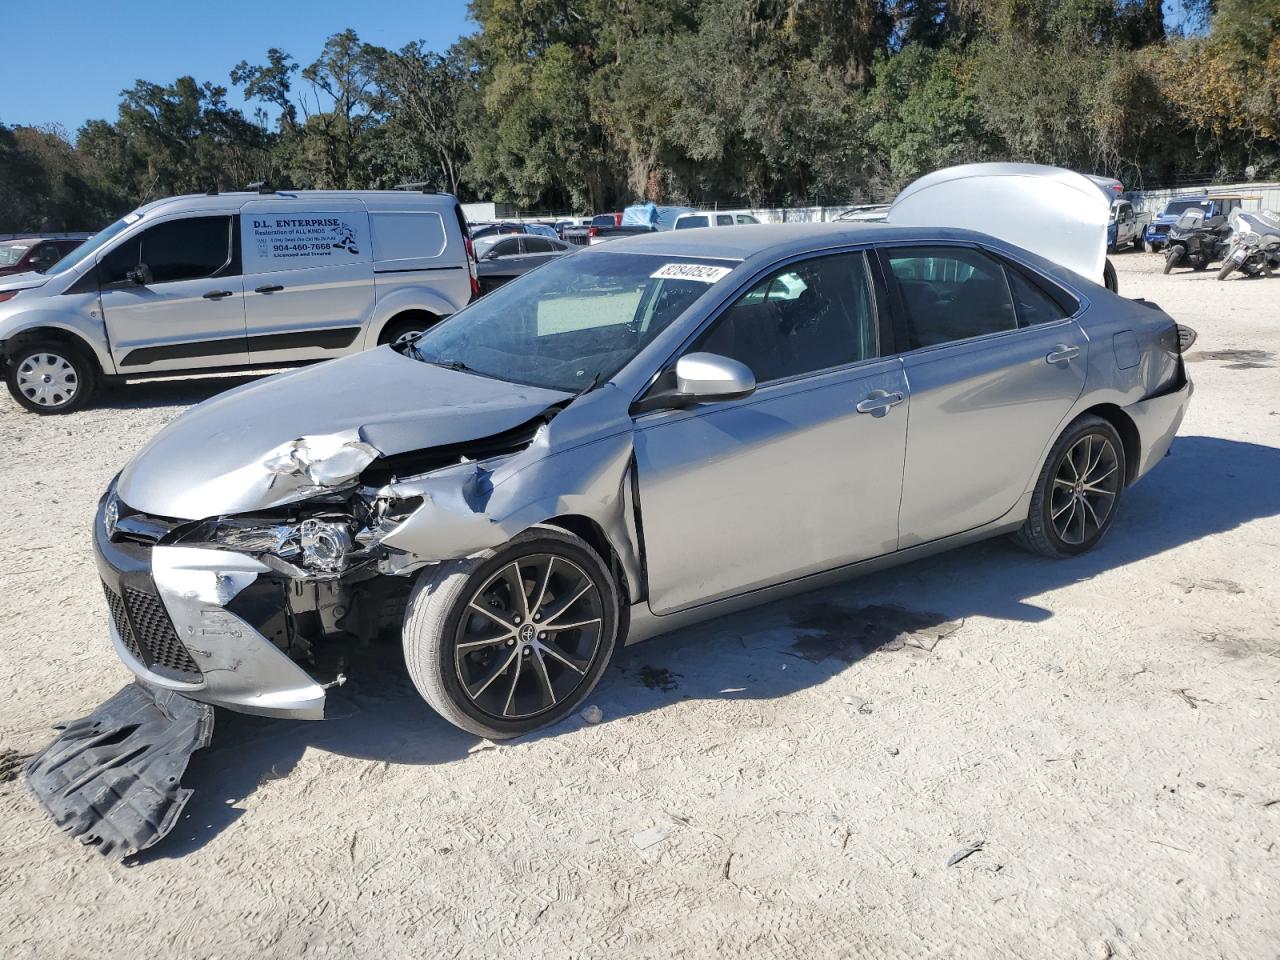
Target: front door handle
(217,294)
(1062,354)
(878,402)
(268,288)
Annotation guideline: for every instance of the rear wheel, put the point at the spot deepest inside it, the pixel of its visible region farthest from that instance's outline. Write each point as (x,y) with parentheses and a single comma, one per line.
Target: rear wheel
(1078,492)
(513,639)
(1109,278)
(51,377)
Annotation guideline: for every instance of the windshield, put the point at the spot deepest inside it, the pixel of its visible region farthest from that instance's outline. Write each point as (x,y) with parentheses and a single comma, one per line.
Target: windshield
(91,246)
(573,322)
(1180,206)
(11,253)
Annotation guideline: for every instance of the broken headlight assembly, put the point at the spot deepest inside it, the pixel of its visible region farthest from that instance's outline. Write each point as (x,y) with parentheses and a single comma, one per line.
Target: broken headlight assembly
(320,544)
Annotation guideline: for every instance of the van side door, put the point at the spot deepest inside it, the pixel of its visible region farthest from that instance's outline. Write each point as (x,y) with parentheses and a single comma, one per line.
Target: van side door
(308,268)
(172,296)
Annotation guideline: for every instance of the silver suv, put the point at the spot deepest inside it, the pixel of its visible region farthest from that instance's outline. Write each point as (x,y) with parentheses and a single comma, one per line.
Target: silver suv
(229,280)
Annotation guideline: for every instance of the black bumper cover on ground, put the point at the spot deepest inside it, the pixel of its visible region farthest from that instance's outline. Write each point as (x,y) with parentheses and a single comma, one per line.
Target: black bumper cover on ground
(114,778)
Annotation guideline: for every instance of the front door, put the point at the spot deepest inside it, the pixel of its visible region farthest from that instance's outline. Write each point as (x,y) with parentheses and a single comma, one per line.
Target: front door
(803,475)
(994,365)
(308,277)
(172,296)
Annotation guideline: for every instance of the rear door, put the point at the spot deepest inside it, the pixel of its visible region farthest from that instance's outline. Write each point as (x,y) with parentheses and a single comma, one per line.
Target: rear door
(189,312)
(308,268)
(994,364)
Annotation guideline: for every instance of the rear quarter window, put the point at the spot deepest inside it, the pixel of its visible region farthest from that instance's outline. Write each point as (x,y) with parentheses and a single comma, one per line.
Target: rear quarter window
(407,235)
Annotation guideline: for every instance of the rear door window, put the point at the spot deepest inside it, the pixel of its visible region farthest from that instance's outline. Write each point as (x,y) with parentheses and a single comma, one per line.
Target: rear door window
(535,244)
(950,294)
(408,235)
(685,223)
(724,220)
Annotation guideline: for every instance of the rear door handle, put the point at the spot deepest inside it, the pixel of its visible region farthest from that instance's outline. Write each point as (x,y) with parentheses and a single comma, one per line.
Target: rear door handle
(268,288)
(878,402)
(217,294)
(1062,354)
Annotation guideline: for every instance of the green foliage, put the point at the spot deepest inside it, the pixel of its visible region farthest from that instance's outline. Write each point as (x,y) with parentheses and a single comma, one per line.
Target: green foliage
(591,104)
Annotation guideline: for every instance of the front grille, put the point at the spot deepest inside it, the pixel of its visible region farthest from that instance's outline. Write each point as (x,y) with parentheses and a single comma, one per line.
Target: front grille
(1161,228)
(145,628)
(121,620)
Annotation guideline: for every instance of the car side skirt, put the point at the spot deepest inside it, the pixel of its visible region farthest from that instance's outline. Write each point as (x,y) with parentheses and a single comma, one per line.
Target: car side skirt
(645,624)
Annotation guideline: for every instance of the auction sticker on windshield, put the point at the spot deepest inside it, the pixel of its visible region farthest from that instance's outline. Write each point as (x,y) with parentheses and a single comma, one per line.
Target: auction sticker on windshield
(691,271)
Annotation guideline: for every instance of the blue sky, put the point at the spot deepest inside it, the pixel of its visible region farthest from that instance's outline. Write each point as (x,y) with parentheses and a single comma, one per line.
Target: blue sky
(70,67)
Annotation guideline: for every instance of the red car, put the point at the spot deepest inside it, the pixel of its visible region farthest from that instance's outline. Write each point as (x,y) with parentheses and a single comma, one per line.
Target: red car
(36,253)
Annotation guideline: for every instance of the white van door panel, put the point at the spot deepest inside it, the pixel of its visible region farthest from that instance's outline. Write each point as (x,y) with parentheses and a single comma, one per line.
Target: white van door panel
(308,282)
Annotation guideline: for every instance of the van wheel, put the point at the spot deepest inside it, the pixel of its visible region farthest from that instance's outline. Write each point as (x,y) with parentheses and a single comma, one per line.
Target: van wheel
(1109,278)
(515,638)
(403,329)
(51,376)
(1078,492)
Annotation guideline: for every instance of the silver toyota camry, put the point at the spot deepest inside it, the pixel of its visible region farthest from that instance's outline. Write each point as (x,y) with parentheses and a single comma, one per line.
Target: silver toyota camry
(647,434)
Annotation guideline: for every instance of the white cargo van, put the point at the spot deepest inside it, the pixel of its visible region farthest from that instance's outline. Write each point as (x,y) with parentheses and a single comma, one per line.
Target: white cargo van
(228,280)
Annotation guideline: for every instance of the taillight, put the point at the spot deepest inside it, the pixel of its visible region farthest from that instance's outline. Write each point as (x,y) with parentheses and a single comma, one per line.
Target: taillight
(591,231)
(471,267)
(7,295)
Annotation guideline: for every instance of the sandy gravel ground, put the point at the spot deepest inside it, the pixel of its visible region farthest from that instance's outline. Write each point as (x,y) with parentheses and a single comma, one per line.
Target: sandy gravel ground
(789,782)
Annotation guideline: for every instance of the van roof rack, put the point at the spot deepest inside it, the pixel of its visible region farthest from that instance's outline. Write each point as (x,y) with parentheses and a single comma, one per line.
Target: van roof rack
(262,186)
(423,186)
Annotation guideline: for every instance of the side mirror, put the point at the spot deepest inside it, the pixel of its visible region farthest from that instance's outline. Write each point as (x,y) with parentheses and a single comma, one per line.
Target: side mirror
(140,275)
(698,378)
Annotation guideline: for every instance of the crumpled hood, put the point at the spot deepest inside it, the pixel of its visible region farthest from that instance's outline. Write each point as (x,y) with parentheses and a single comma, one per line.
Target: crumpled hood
(22,281)
(238,452)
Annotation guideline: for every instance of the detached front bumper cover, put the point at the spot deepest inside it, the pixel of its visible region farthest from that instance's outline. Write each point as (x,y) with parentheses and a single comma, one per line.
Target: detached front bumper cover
(114,777)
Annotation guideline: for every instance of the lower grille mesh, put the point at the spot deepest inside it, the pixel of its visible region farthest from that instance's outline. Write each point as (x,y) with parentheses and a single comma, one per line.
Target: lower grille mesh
(145,628)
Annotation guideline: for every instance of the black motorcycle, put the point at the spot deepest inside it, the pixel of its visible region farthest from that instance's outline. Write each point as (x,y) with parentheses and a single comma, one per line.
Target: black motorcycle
(1197,240)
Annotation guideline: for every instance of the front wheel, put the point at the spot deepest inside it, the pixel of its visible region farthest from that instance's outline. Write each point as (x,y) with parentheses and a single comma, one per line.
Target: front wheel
(515,638)
(1226,268)
(1173,256)
(51,377)
(1078,492)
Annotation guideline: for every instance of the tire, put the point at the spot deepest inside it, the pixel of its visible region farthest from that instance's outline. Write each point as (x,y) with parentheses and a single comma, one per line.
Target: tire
(406,328)
(1109,278)
(1149,247)
(1225,270)
(466,688)
(1175,253)
(51,377)
(1139,243)
(1051,528)
(1199,263)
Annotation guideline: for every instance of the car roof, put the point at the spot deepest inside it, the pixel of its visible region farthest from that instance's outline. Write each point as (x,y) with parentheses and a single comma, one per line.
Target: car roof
(776,239)
(237,198)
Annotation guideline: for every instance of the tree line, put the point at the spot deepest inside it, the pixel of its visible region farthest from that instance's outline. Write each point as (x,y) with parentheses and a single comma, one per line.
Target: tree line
(589,104)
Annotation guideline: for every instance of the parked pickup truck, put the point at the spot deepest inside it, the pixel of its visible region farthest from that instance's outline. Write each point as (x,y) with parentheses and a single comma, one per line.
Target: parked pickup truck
(1126,227)
(638,218)
(1155,236)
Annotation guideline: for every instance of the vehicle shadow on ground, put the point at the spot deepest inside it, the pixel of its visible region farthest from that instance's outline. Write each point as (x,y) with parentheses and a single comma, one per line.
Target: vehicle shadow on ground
(178,392)
(1207,486)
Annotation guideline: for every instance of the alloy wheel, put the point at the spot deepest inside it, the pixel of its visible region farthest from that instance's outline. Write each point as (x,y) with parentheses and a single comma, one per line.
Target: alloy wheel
(48,380)
(1085,487)
(528,636)
(405,337)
